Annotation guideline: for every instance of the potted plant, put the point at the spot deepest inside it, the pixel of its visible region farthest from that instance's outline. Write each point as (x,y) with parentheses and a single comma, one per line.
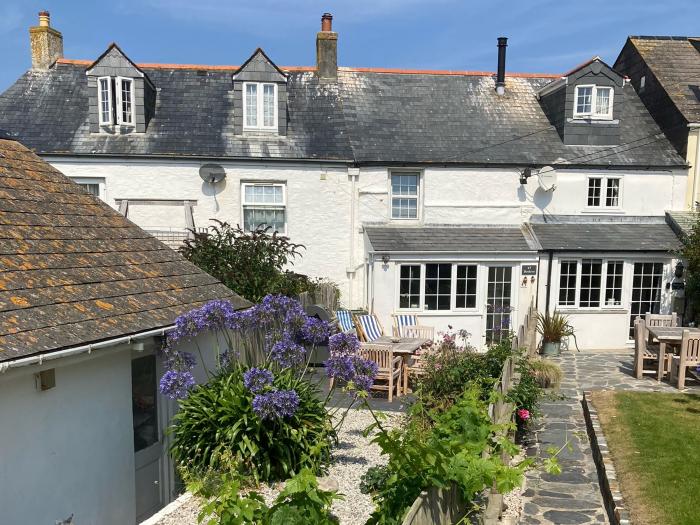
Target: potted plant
(553,328)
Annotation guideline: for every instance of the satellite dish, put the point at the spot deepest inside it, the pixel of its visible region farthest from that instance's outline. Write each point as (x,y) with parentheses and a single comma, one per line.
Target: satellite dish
(547,178)
(212,173)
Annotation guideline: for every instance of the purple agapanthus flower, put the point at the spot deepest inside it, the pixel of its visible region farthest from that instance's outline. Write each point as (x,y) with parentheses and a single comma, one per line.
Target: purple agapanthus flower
(176,384)
(213,315)
(340,367)
(274,309)
(287,353)
(365,367)
(363,383)
(343,344)
(256,379)
(277,404)
(315,331)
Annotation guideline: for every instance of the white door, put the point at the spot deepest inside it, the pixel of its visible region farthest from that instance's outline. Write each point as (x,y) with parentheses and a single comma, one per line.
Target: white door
(499,303)
(147,445)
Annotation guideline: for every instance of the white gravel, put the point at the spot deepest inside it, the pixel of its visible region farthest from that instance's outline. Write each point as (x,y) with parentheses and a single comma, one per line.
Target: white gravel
(350,460)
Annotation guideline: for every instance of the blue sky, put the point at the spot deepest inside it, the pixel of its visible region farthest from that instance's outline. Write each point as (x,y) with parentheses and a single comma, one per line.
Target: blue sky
(544,36)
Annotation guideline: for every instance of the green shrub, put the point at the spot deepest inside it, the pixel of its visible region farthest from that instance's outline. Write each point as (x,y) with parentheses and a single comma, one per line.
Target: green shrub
(301,502)
(450,370)
(218,418)
(546,373)
(527,393)
(451,452)
(250,263)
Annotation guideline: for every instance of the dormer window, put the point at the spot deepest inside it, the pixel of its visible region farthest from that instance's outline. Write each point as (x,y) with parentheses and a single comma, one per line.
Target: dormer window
(116,101)
(260,106)
(594,102)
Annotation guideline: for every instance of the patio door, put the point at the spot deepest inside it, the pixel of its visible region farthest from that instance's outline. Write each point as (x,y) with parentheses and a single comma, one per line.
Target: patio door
(147,445)
(646,290)
(499,291)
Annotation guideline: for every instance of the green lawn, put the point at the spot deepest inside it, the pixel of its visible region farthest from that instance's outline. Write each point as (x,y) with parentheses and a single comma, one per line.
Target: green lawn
(654,439)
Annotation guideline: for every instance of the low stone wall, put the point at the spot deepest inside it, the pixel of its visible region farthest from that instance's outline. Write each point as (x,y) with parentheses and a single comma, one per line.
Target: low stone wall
(607,477)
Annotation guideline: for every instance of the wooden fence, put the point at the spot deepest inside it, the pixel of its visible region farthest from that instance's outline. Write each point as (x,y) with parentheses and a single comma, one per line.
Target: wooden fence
(325,294)
(526,336)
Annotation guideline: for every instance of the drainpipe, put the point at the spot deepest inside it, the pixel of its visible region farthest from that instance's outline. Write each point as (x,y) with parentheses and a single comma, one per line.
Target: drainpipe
(39,359)
(549,280)
(354,174)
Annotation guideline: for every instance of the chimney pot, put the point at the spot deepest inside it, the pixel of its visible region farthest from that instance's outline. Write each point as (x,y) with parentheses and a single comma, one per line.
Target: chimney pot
(46,43)
(327,50)
(44,19)
(327,22)
(501,73)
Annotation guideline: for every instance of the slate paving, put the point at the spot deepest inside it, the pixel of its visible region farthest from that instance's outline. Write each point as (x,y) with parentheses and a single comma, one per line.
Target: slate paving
(574,497)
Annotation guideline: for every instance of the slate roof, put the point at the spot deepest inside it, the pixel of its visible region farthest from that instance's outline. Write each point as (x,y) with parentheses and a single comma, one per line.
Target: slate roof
(366,117)
(682,222)
(448,239)
(675,62)
(609,234)
(74,271)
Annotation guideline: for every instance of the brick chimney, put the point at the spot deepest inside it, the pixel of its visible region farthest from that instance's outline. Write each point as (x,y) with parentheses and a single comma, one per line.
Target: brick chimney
(327,50)
(46,43)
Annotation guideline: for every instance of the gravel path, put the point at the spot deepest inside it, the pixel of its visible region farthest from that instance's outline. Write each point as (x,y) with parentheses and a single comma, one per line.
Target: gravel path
(351,459)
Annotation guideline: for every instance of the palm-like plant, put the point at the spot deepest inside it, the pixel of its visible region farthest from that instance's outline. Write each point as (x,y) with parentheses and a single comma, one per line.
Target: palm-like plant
(553,327)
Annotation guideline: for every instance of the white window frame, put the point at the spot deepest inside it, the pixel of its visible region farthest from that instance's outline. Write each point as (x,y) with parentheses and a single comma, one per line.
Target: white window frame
(453,286)
(603,283)
(93,180)
(604,192)
(260,90)
(100,93)
(248,205)
(594,97)
(119,87)
(418,197)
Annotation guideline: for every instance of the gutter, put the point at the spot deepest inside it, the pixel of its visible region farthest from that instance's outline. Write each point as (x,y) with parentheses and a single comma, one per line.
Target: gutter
(76,350)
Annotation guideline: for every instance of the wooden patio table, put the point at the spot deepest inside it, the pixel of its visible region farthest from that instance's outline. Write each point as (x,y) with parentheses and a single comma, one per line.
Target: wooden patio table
(405,347)
(667,335)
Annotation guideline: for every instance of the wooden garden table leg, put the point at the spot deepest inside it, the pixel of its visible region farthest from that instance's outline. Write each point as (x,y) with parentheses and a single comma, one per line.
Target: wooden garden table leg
(662,352)
(405,373)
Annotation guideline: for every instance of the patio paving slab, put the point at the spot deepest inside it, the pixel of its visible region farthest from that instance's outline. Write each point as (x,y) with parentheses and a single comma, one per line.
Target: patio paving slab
(574,496)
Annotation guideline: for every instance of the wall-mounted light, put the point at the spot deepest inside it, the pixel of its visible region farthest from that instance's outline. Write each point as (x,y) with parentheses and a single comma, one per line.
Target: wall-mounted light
(385,259)
(680,268)
(524,175)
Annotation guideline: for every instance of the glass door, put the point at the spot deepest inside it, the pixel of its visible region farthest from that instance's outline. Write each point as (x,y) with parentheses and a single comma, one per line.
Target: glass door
(646,290)
(498,303)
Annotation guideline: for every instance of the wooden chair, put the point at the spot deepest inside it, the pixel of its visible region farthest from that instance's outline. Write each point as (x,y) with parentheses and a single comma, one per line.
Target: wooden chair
(368,328)
(403,322)
(390,367)
(419,332)
(643,351)
(661,319)
(344,318)
(689,357)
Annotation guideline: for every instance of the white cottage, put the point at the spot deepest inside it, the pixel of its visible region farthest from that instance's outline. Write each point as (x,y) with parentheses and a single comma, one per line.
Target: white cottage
(460,196)
(85,299)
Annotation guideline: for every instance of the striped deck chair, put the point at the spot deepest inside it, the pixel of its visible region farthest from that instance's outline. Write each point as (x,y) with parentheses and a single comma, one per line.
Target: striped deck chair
(369,328)
(344,318)
(402,320)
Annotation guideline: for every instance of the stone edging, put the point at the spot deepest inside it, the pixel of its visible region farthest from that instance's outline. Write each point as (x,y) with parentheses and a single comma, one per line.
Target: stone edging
(169,508)
(609,484)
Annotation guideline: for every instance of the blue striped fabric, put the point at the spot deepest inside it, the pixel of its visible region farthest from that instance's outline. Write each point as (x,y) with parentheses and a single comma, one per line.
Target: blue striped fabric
(370,327)
(345,320)
(406,320)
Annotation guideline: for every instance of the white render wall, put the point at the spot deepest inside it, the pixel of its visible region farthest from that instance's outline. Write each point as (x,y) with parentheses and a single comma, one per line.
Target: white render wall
(70,449)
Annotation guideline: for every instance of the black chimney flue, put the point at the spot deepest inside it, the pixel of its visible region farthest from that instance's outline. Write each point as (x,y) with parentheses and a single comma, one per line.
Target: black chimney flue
(501,74)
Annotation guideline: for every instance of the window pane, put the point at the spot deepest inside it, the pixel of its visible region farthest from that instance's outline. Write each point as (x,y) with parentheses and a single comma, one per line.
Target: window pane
(409,286)
(404,208)
(255,217)
(613,284)
(612,193)
(567,283)
(251,105)
(263,194)
(92,189)
(438,281)
(594,185)
(602,101)
(404,184)
(126,108)
(268,105)
(591,279)
(466,286)
(583,99)
(646,290)
(106,117)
